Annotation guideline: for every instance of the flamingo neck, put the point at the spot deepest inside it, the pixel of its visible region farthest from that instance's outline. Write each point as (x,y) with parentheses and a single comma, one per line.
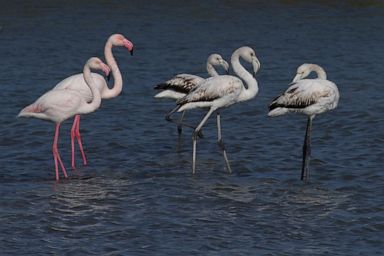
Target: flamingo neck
(96,97)
(211,70)
(319,71)
(241,72)
(117,78)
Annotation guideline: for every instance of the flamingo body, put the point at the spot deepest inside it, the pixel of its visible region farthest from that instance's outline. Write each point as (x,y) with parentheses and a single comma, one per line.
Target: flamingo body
(55,106)
(217,92)
(181,84)
(307,96)
(77,83)
(178,86)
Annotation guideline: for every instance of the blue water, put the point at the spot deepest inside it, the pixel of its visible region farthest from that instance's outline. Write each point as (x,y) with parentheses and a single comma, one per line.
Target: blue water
(137,196)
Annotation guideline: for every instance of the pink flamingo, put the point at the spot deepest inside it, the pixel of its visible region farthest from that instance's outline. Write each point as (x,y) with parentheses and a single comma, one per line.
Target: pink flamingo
(76,82)
(59,105)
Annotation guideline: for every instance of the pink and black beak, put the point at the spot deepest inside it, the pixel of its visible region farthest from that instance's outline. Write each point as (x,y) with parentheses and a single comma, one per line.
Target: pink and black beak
(106,71)
(129,45)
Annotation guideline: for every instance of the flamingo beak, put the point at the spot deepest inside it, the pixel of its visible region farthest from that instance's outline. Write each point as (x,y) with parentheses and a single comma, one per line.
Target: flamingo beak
(297,78)
(107,71)
(128,45)
(256,66)
(225,66)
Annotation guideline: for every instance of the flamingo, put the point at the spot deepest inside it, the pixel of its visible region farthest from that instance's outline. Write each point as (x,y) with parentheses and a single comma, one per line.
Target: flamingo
(181,84)
(309,97)
(220,92)
(77,82)
(59,105)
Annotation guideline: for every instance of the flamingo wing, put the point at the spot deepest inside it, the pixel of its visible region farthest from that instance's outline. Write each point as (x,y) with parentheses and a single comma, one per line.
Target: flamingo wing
(302,94)
(182,83)
(212,89)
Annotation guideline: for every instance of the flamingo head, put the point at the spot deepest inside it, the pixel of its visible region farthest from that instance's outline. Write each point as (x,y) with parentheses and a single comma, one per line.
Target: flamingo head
(217,60)
(250,56)
(120,40)
(302,72)
(96,63)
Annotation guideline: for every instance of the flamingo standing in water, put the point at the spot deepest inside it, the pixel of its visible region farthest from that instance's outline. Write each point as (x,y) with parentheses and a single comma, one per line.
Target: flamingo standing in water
(181,84)
(219,92)
(59,105)
(309,97)
(77,82)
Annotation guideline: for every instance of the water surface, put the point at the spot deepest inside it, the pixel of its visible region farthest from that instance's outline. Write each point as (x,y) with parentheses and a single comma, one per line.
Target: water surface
(137,196)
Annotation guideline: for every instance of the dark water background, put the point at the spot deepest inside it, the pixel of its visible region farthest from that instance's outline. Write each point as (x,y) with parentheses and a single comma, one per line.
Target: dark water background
(137,196)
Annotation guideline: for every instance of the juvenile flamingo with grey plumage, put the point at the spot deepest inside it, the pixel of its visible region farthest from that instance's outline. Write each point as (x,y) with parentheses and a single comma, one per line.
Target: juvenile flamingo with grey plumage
(220,92)
(181,84)
(309,97)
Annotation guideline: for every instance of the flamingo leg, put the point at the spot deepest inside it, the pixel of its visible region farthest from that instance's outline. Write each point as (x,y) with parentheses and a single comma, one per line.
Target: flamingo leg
(307,151)
(221,143)
(196,135)
(179,123)
(73,134)
(56,155)
(78,136)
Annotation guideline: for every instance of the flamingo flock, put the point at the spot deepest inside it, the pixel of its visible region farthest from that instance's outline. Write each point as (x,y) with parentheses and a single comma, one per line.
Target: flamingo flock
(82,94)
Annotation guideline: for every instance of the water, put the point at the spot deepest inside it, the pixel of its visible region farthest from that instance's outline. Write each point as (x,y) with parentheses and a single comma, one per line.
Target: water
(137,196)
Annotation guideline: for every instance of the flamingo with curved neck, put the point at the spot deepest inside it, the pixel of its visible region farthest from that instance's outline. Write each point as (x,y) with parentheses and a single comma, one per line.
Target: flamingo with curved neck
(220,92)
(59,105)
(76,82)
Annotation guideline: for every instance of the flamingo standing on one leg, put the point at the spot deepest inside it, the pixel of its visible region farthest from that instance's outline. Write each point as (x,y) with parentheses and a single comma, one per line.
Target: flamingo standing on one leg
(181,84)
(219,92)
(59,105)
(310,97)
(76,82)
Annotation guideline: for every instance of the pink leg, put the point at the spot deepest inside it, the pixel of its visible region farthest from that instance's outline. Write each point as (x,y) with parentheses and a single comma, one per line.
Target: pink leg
(78,136)
(56,155)
(73,134)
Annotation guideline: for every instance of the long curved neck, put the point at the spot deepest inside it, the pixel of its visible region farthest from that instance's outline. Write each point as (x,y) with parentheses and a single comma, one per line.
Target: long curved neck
(240,71)
(211,69)
(319,71)
(96,97)
(118,80)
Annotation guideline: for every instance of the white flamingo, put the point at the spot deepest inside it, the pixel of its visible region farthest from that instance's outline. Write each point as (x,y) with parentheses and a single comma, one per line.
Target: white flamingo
(310,97)
(76,82)
(59,105)
(181,84)
(219,92)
